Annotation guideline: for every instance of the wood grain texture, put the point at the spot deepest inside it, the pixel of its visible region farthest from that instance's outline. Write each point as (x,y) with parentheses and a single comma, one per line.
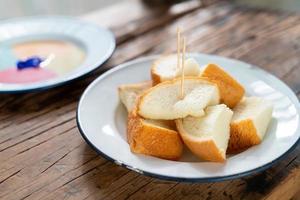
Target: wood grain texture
(42,155)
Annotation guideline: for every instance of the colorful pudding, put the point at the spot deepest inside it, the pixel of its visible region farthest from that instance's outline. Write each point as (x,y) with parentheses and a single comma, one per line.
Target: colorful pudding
(37,61)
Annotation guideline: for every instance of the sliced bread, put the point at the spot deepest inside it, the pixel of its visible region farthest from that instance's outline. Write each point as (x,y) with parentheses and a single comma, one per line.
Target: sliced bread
(207,137)
(157,138)
(163,100)
(153,137)
(231,92)
(165,68)
(129,93)
(249,123)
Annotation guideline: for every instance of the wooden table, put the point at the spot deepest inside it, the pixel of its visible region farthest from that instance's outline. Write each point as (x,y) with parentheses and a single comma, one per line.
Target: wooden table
(42,155)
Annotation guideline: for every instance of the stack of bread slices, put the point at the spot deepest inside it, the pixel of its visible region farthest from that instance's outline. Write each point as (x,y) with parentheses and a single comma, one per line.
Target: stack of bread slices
(212,118)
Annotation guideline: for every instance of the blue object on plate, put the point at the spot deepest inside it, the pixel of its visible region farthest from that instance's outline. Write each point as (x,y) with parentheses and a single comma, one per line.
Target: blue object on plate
(32,62)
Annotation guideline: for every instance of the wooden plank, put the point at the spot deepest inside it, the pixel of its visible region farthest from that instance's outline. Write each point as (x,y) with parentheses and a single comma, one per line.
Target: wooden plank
(139,18)
(108,17)
(297,196)
(287,188)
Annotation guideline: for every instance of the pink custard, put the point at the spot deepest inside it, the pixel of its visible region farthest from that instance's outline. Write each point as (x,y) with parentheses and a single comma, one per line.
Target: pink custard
(30,75)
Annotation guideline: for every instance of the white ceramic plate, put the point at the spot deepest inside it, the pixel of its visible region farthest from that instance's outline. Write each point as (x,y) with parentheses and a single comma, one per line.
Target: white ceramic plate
(102,122)
(98,44)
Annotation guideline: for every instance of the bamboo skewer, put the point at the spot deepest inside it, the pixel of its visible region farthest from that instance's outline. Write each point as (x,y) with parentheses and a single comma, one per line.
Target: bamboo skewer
(182,68)
(178,47)
(181,59)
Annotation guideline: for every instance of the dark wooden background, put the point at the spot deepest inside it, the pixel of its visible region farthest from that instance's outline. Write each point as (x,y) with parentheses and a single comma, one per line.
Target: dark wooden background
(42,155)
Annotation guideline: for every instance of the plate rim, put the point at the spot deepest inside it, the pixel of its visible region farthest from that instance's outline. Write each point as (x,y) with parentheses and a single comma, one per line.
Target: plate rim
(172,178)
(68,79)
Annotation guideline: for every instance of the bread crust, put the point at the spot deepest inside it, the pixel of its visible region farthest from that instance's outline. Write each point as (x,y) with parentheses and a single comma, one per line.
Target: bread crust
(231,92)
(149,139)
(243,135)
(155,77)
(140,85)
(204,149)
(200,79)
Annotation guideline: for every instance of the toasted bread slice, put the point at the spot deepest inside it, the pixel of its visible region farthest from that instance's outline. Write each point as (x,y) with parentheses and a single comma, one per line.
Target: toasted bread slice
(165,68)
(157,138)
(163,100)
(231,91)
(207,137)
(249,123)
(153,137)
(129,93)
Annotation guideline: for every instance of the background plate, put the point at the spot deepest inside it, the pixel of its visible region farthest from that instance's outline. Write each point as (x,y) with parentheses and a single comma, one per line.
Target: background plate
(99,44)
(102,122)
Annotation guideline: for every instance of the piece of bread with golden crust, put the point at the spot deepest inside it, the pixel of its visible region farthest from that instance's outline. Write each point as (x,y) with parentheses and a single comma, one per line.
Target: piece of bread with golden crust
(207,136)
(163,100)
(157,138)
(249,123)
(153,137)
(231,92)
(165,68)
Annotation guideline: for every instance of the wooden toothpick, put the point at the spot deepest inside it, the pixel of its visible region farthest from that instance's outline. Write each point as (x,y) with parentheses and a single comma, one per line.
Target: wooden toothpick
(182,68)
(178,47)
